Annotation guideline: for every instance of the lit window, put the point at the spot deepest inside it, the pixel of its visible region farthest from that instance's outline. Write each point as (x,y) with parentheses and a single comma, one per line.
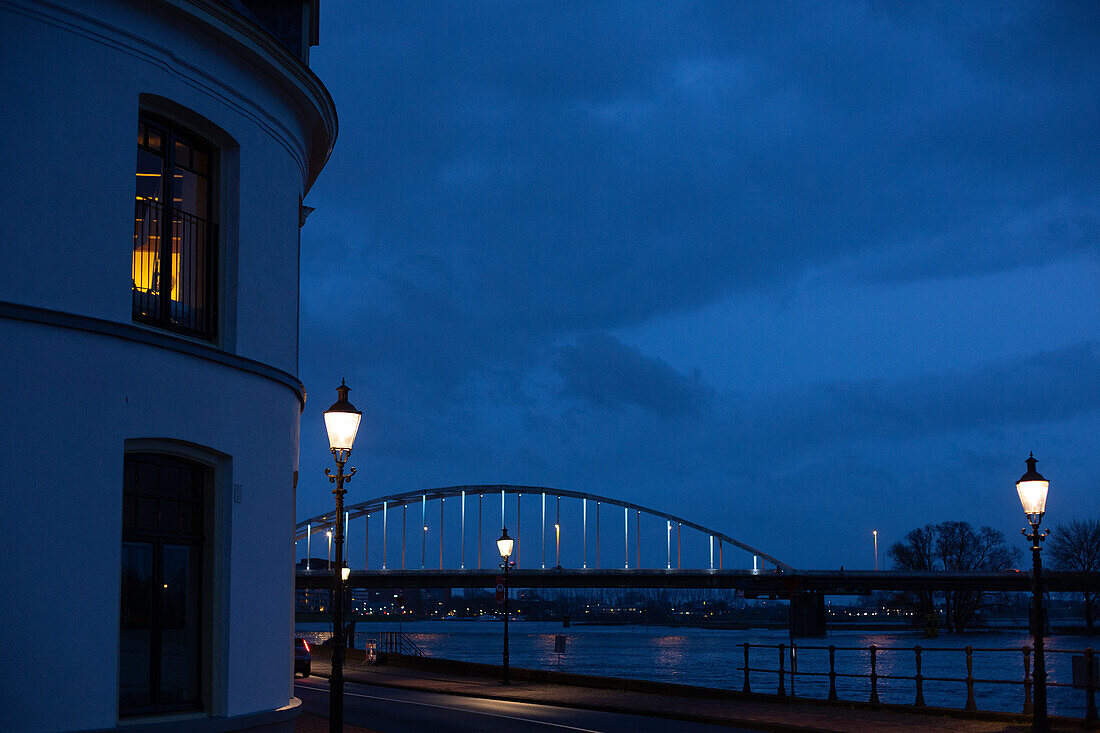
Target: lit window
(172,267)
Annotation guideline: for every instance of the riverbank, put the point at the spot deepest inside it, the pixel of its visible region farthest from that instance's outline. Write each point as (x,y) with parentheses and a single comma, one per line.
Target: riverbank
(677,702)
(1067,629)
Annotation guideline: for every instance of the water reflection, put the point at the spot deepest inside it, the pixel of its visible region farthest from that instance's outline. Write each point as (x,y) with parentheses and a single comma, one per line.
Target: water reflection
(671,651)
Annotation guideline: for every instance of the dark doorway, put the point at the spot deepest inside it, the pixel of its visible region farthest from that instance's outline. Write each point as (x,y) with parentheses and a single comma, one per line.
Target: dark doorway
(160,629)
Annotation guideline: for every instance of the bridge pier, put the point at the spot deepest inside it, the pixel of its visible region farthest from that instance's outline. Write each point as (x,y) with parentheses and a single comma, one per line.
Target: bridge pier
(807,614)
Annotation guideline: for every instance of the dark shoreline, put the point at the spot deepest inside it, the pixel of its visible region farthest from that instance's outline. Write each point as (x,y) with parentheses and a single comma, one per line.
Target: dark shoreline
(311,617)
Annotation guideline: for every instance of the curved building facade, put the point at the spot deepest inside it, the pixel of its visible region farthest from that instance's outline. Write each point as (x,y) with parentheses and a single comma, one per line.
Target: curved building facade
(155,156)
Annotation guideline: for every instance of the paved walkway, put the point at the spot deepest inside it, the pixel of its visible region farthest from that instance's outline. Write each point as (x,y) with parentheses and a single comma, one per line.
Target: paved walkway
(760,714)
(310,723)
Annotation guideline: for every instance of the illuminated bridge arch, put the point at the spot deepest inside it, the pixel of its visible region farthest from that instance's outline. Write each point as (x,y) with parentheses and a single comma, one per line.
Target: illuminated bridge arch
(377,516)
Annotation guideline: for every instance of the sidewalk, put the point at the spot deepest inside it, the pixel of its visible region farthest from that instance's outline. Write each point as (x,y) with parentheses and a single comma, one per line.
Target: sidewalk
(310,723)
(675,702)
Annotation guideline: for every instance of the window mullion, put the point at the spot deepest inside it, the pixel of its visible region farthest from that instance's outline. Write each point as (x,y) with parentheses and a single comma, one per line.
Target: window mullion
(167,275)
(155,631)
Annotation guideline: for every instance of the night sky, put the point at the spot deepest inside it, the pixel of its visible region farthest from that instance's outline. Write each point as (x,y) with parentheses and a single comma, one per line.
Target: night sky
(795,271)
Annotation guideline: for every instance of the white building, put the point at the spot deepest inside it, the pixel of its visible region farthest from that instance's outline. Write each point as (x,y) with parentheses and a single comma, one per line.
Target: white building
(154,157)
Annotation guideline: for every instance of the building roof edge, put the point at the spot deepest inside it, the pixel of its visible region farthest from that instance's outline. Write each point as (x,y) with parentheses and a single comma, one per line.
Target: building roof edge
(247,34)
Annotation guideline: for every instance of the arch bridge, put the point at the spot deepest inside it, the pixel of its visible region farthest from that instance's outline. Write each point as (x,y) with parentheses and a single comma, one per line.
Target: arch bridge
(609,543)
(459,526)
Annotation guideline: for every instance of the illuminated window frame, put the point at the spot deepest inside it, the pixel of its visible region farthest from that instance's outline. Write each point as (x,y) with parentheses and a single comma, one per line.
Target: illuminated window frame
(175,251)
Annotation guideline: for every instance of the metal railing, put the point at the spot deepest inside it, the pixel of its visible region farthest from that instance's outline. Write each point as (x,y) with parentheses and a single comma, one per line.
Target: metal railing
(785,676)
(173,285)
(397,642)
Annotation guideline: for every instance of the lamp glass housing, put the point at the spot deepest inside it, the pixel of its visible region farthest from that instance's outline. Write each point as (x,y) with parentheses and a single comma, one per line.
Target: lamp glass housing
(342,427)
(1032,488)
(342,421)
(345,573)
(1033,497)
(504,545)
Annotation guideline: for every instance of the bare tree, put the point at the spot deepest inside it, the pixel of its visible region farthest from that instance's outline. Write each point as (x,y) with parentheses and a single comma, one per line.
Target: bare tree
(1076,546)
(961,549)
(916,552)
(954,546)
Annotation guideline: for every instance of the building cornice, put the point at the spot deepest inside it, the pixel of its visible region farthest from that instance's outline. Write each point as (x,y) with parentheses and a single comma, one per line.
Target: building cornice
(156,339)
(235,31)
(258,41)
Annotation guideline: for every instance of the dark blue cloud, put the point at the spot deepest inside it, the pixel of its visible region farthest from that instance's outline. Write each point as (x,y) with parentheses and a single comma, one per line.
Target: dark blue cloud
(515,182)
(602,371)
(580,167)
(1038,388)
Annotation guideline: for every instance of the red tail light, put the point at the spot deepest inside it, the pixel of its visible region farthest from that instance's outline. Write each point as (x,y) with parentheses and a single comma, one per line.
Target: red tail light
(306,644)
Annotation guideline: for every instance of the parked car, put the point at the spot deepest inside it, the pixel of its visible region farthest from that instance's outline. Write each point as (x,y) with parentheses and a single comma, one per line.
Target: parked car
(302,659)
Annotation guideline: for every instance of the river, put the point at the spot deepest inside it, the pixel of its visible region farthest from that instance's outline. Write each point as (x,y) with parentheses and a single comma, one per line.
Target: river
(714,657)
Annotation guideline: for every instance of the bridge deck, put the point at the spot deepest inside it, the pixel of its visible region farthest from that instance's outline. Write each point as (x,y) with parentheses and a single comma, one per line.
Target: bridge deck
(754,583)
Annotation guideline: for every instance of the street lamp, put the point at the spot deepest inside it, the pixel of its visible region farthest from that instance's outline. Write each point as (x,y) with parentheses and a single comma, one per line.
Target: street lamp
(875,533)
(328,533)
(1032,488)
(341,423)
(504,547)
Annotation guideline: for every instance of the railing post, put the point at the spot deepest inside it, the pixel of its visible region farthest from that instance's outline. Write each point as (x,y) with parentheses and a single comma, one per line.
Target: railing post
(919,702)
(832,673)
(746,688)
(874,674)
(782,687)
(1090,685)
(970,703)
(794,666)
(1027,680)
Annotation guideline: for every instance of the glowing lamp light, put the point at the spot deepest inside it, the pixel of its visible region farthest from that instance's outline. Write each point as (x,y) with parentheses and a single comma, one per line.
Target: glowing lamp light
(504,544)
(345,573)
(342,422)
(1032,488)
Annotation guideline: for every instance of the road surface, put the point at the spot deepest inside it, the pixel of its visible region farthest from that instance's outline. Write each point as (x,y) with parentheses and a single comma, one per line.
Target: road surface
(390,710)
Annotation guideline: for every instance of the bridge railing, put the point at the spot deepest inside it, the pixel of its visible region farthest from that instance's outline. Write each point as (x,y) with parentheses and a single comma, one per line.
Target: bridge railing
(885,665)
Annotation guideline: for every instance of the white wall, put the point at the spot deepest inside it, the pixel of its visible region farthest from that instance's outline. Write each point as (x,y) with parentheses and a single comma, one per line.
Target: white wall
(72,398)
(63,462)
(69,127)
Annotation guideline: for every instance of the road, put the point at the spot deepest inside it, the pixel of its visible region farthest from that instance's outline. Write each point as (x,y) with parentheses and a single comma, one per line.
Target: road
(390,710)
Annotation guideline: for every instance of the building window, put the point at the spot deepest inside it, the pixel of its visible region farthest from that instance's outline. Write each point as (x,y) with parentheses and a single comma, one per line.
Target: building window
(160,629)
(175,236)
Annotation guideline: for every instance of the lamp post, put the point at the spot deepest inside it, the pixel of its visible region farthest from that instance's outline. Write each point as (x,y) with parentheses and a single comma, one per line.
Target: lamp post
(1032,488)
(504,546)
(875,533)
(328,533)
(341,423)
(345,573)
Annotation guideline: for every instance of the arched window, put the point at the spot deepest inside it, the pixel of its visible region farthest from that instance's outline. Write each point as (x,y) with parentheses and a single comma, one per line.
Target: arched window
(175,235)
(164,523)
